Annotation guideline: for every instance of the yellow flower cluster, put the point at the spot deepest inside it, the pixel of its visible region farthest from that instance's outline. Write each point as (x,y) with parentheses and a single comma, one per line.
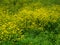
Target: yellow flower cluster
(27,19)
(9,28)
(39,17)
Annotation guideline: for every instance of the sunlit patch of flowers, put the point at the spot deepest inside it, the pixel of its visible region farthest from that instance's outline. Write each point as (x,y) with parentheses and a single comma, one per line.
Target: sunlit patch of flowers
(12,26)
(38,18)
(9,31)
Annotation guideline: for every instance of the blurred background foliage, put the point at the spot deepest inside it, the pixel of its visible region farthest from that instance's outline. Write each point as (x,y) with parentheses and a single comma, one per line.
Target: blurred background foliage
(29,22)
(14,5)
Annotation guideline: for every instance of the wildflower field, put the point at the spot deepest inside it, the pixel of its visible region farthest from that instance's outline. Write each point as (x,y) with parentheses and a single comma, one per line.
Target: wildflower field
(29,22)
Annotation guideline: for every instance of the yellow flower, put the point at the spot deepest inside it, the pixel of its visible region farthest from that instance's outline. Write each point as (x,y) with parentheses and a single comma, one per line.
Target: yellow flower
(5,31)
(3,26)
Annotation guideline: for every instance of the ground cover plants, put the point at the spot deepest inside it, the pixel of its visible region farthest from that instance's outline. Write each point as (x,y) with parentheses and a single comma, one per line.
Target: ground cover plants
(29,22)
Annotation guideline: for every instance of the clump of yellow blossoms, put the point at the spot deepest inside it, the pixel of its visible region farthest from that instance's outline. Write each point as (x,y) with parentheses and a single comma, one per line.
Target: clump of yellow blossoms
(11,26)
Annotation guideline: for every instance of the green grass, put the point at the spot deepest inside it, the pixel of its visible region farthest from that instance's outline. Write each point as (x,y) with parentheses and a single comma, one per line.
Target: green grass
(29,22)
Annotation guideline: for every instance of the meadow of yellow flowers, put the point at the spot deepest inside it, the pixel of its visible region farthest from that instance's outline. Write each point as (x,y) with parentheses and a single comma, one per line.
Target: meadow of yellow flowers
(29,22)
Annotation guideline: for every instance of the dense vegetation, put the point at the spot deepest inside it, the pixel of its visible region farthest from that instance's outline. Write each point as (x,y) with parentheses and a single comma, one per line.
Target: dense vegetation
(29,22)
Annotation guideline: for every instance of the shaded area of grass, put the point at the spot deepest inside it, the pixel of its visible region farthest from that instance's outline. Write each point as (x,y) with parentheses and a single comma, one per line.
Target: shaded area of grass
(43,38)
